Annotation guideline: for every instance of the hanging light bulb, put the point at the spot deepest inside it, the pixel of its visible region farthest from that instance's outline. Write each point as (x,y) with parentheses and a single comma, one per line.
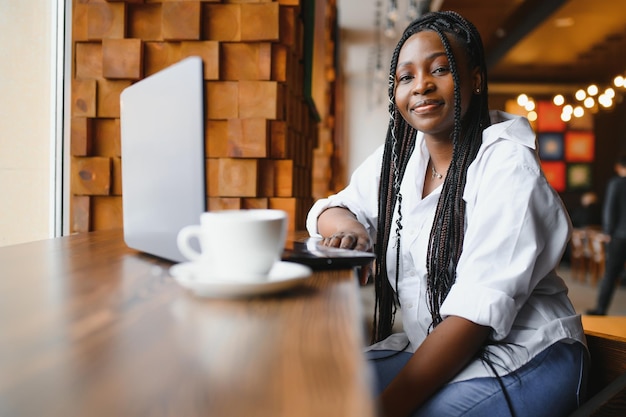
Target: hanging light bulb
(558,100)
(412,11)
(580,95)
(392,13)
(522,99)
(618,81)
(605,101)
(566,117)
(579,111)
(592,90)
(390,30)
(589,102)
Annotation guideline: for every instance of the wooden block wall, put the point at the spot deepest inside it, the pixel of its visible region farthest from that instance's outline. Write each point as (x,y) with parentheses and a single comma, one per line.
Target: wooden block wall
(260,134)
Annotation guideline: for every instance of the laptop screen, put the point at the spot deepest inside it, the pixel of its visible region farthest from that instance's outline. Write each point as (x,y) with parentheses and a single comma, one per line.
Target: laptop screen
(163,174)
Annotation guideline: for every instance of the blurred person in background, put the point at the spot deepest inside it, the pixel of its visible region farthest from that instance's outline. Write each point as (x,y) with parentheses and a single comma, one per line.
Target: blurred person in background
(614,225)
(589,213)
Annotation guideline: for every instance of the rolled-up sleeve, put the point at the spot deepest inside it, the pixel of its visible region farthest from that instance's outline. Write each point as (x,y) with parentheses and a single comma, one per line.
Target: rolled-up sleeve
(516,230)
(360,196)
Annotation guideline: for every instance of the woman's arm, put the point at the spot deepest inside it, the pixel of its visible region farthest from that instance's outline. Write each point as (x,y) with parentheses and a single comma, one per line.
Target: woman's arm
(442,355)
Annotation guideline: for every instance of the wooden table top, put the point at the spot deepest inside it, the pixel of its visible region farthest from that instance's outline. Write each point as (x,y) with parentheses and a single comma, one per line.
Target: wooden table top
(614,326)
(89,327)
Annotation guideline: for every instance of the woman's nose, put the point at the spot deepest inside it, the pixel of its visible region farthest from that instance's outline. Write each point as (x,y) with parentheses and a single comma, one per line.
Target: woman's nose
(422,85)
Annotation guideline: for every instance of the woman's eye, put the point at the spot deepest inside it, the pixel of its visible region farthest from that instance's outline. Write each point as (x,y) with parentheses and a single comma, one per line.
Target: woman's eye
(441,70)
(405,78)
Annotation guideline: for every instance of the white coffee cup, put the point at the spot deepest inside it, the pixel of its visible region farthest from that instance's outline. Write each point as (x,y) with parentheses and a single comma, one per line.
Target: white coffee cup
(236,244)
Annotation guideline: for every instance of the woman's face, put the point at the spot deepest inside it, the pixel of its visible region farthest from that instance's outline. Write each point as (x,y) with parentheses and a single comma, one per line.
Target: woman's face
(424,85)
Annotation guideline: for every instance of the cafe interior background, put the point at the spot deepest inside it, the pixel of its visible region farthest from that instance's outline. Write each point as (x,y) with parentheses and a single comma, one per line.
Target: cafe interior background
(560,62)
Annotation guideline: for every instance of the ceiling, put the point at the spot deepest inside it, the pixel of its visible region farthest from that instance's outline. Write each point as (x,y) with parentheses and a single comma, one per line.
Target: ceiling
(538,42)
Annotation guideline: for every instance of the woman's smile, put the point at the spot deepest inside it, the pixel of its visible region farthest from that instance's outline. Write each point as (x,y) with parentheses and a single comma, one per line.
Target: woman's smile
(427,106)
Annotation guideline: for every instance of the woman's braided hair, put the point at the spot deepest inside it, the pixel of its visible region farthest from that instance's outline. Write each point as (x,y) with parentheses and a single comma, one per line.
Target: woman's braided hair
(446,238)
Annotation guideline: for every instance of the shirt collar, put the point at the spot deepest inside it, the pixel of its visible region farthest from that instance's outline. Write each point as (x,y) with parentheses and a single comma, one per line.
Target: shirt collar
(510,127)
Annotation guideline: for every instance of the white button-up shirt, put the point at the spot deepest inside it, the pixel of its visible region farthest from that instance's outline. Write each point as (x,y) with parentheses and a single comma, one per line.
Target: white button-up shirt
(516,229)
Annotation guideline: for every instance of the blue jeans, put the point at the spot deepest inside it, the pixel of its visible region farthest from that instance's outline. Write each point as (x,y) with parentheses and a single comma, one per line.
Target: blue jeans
(552,384)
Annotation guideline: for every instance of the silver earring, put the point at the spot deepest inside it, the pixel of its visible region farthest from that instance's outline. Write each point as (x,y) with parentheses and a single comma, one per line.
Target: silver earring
(478,91)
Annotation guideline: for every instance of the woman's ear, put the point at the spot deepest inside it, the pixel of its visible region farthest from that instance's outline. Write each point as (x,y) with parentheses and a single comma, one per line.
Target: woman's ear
(477,80)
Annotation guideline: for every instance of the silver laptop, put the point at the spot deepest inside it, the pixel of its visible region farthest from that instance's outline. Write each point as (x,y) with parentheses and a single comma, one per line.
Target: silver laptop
(163,171)
(162,135)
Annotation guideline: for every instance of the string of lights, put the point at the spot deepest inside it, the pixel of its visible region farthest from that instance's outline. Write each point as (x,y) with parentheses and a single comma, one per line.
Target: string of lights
(589,99)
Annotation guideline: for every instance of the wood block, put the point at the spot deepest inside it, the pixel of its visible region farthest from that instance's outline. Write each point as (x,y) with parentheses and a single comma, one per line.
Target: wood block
(289,205)
(248,138)
(79,213)
(181,20)
(222,22)
(222,203)
(107,141)
(258,99)
(246,61)
(288,16)
(81,131)
(254,203)
(91,176)
(106,20)
(249,1)
(261,22)
(278,139)
(84,98)
(174,1)
(159,55)
(212,179)
(289,2)
(144,22)
(216,139)
(267,175)
(108,99)
(284,175)
(106,213)
(209,51)
(79,22)
(237,177)
(280,56)
(88,60)
(116,176)
(222,100)
(122,59)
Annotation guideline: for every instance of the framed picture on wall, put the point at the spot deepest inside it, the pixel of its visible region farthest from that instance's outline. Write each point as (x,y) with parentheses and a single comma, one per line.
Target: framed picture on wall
(555,174)
(550,146)
(549,117)
(579,146)
(578,176)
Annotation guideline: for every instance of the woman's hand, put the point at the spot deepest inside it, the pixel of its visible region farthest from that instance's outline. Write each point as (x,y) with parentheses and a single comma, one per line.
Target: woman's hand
(340,229)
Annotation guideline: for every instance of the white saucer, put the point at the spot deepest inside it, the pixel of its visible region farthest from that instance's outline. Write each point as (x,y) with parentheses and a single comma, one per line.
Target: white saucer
(283,276)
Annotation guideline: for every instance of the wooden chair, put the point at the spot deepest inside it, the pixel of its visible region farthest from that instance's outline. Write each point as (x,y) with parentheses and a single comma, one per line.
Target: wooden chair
(606,386)
(597,241)
(580,254)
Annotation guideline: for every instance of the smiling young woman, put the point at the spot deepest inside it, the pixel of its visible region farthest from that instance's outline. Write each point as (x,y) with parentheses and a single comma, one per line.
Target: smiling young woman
(467,234)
